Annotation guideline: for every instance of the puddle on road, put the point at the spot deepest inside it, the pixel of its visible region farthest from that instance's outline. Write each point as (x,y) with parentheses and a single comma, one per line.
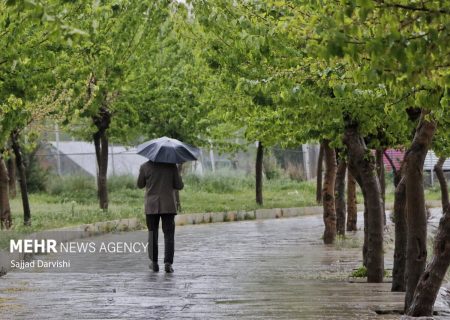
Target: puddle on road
(278,268)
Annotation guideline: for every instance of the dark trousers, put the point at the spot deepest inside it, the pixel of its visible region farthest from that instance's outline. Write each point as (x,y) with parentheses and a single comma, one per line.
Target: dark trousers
(168,226)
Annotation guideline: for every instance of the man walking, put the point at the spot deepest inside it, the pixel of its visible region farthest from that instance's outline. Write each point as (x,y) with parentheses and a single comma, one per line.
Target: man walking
(161,181)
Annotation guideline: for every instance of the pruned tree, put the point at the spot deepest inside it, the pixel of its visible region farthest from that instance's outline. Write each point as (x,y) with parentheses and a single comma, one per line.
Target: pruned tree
(105,67)
(340,202)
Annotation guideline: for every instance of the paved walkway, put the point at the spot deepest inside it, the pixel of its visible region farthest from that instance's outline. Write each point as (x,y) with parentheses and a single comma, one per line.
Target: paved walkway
(270,269)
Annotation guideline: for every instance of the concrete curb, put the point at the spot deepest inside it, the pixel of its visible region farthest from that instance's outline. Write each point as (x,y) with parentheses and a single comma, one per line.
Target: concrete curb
(262,214)
(98,228)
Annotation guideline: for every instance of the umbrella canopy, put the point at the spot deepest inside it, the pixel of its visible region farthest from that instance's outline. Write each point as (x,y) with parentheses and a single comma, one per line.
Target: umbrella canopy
(168,150)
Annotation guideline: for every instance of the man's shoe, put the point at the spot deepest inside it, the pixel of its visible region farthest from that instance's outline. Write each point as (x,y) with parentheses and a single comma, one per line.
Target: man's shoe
(154,266)
(168,268)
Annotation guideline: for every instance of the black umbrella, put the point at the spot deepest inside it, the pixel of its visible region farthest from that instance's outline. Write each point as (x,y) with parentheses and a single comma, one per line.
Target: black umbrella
(168,150)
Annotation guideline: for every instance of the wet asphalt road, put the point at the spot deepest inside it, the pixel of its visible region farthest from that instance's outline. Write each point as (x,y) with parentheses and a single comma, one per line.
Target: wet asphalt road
(269,269)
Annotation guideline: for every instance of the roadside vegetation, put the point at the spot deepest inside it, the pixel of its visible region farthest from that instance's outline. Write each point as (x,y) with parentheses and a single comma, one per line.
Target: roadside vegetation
(72,200)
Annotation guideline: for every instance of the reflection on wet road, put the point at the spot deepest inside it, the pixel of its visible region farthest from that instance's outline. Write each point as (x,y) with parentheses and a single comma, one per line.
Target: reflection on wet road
(271,269)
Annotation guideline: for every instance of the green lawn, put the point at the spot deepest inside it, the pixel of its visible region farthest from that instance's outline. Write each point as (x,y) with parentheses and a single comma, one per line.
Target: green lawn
(72,201)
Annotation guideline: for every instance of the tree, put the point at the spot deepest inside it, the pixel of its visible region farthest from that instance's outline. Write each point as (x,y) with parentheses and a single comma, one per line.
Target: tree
(362,166)
(340,194)
(442,148)
(361,60)
(319,175)
(329,209)
(416,252)
(5,209)
(399,213)
(403,48)
(352,209)
(249,103)
(22,177)
(168,96)
(258,173)
(298,87)
(398,270)
(121,42)
(379,152)
(27,71)
(431,279)
(11,166)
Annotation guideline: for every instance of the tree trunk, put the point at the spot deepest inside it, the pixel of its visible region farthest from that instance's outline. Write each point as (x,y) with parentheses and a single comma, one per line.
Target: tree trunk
(362,167)
(380,173)
(398,271)
(12,176)
(22,177)
(366,220)
(366,234)
(352,209)
(102,121)
(258,173)
(340,196)
(5,209)
(329,209)
(442,182)
(416,218)
(429,283)
(319,175)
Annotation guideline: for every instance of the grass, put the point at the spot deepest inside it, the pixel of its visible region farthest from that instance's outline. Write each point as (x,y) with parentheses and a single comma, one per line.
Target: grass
(361,272)
(214,195)
(72,200)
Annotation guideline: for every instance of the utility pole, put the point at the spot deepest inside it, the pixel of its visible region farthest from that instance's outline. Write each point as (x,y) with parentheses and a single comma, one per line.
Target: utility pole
(58,156)
(211,157)
(306,163)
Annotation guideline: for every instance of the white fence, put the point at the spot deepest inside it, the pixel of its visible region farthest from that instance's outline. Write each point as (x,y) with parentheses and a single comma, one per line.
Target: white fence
(78,157)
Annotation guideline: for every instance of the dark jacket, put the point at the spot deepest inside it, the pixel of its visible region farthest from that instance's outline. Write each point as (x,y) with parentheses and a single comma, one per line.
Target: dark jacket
(160,180)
